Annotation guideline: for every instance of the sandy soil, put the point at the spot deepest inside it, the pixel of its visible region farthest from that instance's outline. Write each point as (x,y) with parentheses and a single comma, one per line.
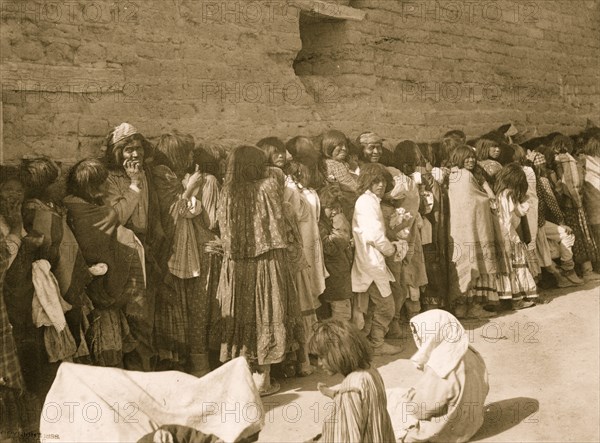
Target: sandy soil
(543,366)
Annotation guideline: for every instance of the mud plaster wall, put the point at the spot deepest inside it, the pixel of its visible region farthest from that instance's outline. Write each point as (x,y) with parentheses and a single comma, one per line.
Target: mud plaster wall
(229,71)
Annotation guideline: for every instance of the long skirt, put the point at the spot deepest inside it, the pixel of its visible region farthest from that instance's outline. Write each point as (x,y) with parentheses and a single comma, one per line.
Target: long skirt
(585,248)
(109,337)
(260,315)
(518,283)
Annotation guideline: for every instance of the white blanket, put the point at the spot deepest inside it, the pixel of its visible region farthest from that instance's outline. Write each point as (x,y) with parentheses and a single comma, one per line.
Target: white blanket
(95,404)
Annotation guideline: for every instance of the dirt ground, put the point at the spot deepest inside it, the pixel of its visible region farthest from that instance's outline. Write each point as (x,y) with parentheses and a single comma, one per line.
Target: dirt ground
(543,366)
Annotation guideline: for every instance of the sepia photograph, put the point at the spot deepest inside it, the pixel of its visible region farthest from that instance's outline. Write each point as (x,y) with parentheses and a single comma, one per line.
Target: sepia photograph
(294,221)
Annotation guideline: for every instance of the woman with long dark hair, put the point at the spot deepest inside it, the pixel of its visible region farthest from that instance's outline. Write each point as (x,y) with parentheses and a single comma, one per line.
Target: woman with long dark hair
(260,318)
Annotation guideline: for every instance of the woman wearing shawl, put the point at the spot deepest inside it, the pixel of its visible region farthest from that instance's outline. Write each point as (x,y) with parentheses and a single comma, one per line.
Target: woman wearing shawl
(103,240)
(552,229)
(45,221)
(130,191)
(447,403)
(585,251)
(260,318)
(473,238)
(188,204)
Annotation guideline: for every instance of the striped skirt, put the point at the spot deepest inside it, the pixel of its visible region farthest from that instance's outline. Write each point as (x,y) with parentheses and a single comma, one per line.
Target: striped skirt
(518,283)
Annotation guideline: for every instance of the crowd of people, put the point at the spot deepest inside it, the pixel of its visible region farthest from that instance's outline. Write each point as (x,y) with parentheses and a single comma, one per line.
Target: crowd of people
(177,255)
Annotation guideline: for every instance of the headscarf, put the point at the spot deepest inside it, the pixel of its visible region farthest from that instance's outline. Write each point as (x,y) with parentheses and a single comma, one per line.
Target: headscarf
(123,131)
(441,339)
(536,158)
(369,138)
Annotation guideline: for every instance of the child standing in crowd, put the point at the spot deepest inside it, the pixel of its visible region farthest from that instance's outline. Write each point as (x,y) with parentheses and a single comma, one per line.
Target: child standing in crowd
(473,239)
(516,285)
(370,275)
(335,152)
(336,238)
(408,183)
(360,402)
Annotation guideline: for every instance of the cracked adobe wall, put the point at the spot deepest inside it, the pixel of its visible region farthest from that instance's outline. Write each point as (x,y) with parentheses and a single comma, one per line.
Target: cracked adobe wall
(238,70)
(415,69)
(219,70)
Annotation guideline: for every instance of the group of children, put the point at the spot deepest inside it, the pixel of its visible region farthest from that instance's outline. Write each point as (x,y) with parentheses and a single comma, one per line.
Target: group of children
(177,256)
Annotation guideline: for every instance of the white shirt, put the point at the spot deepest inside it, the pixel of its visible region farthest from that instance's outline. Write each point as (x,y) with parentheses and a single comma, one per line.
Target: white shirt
(369,261)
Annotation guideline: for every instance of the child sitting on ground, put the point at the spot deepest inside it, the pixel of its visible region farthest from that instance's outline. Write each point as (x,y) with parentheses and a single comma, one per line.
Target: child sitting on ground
(360,411)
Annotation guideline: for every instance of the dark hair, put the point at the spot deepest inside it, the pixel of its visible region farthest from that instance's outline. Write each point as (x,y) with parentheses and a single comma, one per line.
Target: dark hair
(459,154)
(10,173)
(212,159)
(428,152)
(330,197)
(271,146)
(85,178)
(306,167)
(519,154)
(274,142)
(37,175)
(452,139)
(483,146)
(354,149)
(307,173)
(343,347)
(562,143)
(113,157)
(174,150)
(245,164)
(407,156)
(300,146)
(591,147)
(207,160)
(330,139)
(371,173)
(513,178)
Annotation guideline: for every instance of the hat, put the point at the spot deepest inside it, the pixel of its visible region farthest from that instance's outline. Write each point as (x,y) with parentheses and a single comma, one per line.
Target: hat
(368,138)
(123,131)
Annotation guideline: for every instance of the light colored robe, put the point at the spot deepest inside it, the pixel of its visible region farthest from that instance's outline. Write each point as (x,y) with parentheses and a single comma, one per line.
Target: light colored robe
(447,403)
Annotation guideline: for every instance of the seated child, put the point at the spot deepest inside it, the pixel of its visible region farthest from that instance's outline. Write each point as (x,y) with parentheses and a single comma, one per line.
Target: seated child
(360,413)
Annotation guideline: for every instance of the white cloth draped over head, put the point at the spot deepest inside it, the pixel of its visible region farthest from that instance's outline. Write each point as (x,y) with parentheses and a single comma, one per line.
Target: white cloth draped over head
(123,131)
(441,340)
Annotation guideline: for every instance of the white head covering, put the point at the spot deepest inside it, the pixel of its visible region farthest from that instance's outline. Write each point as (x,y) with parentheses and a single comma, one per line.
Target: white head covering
(123,131)
(441,339)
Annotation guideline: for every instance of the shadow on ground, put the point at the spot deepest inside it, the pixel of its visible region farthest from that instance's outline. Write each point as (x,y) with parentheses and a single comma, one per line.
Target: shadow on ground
(505,414)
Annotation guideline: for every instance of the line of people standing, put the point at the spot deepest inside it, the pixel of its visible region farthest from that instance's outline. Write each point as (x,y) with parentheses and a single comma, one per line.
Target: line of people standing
(170,256)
